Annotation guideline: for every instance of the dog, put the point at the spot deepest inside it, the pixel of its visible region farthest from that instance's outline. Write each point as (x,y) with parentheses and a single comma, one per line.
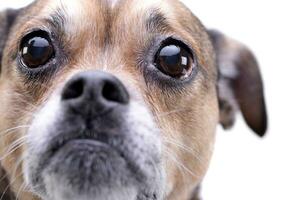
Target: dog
(117,100)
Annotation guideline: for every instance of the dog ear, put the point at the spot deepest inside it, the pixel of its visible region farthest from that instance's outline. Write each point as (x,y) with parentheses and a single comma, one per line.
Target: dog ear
(7,19)
(240,85)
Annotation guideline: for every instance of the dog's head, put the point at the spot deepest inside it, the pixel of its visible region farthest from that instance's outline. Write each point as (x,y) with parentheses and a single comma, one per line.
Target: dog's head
(117,100)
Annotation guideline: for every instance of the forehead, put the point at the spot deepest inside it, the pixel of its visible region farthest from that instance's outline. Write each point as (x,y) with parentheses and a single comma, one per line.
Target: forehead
(121,15)
(103,19)
(83,12)
(107,4)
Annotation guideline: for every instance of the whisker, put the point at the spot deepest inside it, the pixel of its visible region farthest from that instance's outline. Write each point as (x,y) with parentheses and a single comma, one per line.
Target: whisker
(13,147)
(11,130)
(7,188)
(180,168)
(4,177)
(183,147)
(18,164)
(22,189)
(14,128)
(179,164)
(164,114)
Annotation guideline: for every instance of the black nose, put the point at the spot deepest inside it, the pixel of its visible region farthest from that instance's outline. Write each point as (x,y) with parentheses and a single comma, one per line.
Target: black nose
(95,88)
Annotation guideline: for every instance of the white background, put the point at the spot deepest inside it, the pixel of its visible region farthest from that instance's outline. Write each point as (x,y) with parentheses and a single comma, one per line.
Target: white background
(245,167)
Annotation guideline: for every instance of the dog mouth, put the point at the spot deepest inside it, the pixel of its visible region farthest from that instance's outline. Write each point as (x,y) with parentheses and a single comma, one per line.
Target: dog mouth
(94,157)
(87,165)
(89,152)
(86,154)
(95,165)
(83,146)
(90,141)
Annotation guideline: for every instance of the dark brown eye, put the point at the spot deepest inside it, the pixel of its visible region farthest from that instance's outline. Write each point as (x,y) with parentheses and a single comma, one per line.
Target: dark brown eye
(174,60)
(36,50)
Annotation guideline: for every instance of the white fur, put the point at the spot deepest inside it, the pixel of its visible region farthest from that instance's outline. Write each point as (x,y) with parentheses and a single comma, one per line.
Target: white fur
(113,3)
(144,129)
(43,122)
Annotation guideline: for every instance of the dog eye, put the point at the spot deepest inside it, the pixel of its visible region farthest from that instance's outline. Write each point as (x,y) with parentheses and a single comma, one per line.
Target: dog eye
(174,59)
(36,49)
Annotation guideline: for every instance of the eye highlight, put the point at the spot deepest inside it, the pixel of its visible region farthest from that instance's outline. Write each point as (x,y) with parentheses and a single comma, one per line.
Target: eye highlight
(174,59)
(36,49)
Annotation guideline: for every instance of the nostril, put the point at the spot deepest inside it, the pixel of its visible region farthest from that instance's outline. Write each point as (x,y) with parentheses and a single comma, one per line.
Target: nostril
(74,90)
(98,87)
(113,92)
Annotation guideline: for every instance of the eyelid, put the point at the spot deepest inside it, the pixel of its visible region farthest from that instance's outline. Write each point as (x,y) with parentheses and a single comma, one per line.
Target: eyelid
(178,41)
(175,41)
(49,66)
(184,50)
(31,31)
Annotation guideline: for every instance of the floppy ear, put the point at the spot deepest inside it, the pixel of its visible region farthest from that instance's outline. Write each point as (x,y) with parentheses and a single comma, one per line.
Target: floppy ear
(7,19)
(240,85)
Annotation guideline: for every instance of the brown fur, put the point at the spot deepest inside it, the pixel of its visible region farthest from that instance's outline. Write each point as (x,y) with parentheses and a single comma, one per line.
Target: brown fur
(112,40)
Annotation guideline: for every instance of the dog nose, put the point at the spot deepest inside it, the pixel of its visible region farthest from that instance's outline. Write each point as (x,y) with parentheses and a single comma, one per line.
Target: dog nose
(95,87)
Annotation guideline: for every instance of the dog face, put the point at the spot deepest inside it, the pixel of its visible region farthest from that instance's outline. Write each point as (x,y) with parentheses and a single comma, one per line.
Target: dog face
(117,99)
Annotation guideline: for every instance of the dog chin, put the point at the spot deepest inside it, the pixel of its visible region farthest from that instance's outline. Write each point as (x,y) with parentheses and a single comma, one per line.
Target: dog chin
(106,193)
(68,193)
(87,170)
